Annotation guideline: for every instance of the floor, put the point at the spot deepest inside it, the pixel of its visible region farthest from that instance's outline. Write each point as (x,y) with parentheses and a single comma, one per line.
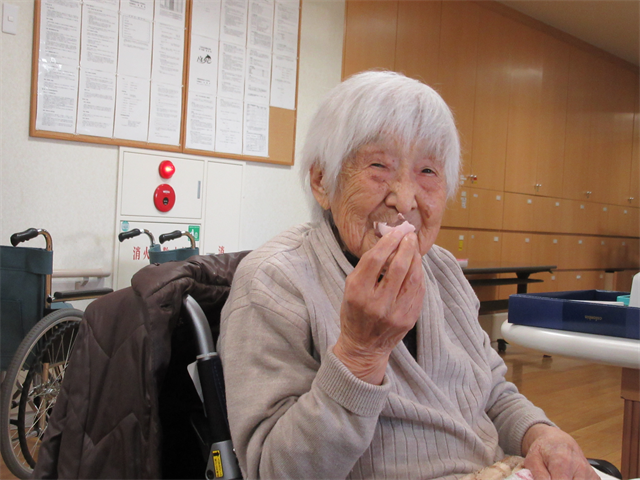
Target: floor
(581,398)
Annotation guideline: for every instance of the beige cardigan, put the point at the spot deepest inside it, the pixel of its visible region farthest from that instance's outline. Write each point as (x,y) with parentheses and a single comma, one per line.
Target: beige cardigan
(296,411)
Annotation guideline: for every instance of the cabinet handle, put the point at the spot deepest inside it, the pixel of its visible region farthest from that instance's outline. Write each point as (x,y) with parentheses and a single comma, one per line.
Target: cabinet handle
(538,185)
(588,194)
(473,178)
(631,199)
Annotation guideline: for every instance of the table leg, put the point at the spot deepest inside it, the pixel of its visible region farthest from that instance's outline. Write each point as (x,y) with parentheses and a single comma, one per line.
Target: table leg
(522,288)
(630,392)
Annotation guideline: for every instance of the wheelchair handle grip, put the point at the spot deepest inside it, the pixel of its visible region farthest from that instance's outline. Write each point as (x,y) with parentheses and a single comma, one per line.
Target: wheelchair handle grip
(20,237)
(30,233)
(177,234)
(130,234)
(170,236)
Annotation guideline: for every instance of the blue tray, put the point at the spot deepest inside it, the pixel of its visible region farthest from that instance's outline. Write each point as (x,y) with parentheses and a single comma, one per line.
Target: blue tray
(569,311)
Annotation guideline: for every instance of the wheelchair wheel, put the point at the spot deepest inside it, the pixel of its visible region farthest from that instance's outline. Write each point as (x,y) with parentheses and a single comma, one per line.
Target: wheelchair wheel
(31,386)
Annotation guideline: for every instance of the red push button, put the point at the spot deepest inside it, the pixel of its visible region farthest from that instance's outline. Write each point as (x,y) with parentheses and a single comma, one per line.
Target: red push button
(164,197)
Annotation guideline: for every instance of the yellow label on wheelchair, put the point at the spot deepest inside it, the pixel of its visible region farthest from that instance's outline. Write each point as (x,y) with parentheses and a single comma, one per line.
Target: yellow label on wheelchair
(217,463)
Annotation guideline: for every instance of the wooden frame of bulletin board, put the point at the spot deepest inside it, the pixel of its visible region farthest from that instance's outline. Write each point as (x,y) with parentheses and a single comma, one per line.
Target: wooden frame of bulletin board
(281,121)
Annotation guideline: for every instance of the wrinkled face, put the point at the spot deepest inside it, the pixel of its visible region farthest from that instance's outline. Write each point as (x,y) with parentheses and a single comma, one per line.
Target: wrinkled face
(383,179)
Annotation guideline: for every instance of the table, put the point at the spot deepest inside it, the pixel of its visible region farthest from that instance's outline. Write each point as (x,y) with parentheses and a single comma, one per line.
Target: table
(621,352)
(521,279)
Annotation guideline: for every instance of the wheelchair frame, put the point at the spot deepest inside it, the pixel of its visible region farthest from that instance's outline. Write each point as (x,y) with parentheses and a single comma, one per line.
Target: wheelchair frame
(33,377)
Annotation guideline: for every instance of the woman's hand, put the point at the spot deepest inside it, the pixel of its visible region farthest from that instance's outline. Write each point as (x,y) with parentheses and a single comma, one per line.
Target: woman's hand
(377,313)
(554,454)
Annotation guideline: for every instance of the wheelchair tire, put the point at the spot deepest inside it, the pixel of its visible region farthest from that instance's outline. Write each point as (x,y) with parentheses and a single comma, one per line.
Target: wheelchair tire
(31,385)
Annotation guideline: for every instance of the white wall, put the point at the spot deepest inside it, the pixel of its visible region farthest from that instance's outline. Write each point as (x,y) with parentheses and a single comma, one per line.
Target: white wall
(69,188)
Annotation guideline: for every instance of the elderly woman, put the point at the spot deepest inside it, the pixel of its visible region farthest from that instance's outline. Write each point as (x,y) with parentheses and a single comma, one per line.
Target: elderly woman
(351,354)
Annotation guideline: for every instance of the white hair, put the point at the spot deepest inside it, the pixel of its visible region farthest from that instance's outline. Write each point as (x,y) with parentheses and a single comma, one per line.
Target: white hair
(369,106)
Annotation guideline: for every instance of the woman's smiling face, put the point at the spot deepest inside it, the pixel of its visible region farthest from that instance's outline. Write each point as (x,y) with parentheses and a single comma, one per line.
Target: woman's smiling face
(383,179)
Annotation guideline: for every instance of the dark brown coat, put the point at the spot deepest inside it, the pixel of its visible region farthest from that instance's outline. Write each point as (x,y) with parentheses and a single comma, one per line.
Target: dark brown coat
(106,421)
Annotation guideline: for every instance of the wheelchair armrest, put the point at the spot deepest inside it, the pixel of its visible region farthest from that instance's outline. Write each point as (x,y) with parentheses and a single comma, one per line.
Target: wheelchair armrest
(605,467)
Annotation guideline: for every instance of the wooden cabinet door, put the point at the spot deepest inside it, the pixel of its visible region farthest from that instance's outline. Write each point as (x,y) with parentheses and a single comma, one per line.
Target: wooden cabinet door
(577,217)
(553,117)
(617,220)
(634,221)
(612,134)
(518,212)
(597,252)
(579,280)
(578,127)
(574,253)
(516,249)
(484,248)
(545,249)
(633,254)
(485,208)
(457,65)
(618,252)
(547,214)
(537,114)
(600,160)
(418,40)
(525,68)
(370,35)
(453,240)
(457,212)
(549,283)
(491,111)
(623,123)
(634,178)
(600,220)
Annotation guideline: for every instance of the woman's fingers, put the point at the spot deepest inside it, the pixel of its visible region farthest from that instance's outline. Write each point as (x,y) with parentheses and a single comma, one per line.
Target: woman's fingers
(404,272)
(538,469)
(372,263)
(388,307)
(554,454)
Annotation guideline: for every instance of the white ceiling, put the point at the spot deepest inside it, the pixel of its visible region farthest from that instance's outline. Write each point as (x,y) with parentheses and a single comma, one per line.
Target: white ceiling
(612,25)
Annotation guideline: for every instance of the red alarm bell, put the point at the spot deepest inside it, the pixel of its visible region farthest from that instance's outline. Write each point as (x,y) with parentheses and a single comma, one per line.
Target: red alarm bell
(166,169)
(164,197)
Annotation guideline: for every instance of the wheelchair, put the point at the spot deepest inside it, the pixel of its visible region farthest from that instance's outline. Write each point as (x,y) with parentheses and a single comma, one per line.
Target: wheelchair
(207,418)
(38,331)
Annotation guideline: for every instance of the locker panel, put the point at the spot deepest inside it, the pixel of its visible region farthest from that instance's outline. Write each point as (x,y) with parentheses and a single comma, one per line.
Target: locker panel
(549,283)
(485,209)
(457,212)
(523,139)
(573,253)
(553,117)
(491,111)
(633,254)
(577,217)
(484,248)
(600,221)
(370,36)
(547,214)
(453,240)
(620,220)
(418,39)
(580,280)
(457,65)
(516,249)
(519,212)
(545,249)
